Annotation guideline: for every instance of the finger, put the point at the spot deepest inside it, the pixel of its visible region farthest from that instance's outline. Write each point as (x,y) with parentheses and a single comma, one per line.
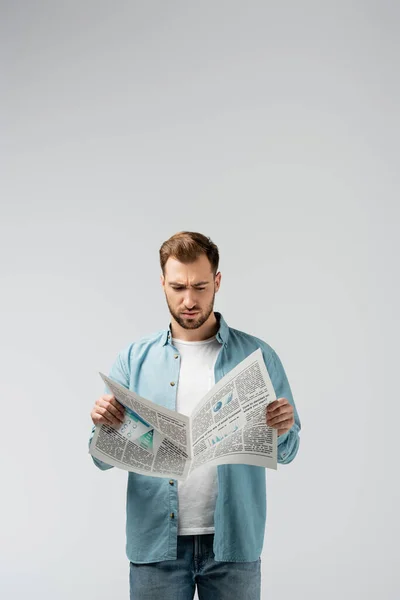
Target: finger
(112,409)
(99,420)
(278,420)
(120,408)
(283,411)
(272,405)
(111,399)
(108,416)
(285,426)
(108,399)
(115,410)
(103,416)
(276,404)
(98,416)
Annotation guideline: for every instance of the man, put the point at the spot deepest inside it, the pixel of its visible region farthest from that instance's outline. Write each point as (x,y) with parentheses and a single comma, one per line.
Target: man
(208,530)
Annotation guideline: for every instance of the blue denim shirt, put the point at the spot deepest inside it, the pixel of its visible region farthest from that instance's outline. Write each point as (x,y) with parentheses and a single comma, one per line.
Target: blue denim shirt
(150,367)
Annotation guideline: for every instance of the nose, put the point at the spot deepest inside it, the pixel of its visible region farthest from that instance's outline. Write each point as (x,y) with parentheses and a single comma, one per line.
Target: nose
(189,300)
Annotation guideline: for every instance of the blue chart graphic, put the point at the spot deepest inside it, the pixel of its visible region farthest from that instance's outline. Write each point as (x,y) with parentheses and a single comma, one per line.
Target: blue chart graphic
(222,403)
(133,425)
(146,440)
(219,438)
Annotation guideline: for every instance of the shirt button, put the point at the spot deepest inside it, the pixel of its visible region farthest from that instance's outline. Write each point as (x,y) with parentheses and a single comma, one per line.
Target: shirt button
(172,515)
(171,482)
(172,383)
(176,355)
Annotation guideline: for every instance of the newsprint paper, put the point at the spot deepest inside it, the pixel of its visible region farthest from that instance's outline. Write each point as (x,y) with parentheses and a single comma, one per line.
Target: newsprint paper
(227,426)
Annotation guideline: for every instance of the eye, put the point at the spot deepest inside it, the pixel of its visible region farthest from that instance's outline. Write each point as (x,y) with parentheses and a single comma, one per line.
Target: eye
(178,289)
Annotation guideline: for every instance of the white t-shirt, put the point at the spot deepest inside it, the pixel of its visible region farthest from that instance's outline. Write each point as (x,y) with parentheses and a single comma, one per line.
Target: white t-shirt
(197,495)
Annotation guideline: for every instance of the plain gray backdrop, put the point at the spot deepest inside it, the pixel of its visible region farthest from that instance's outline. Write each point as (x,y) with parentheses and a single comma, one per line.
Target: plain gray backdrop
(272,128)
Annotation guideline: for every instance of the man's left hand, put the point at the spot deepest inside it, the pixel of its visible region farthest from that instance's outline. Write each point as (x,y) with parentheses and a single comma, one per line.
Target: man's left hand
(280,415)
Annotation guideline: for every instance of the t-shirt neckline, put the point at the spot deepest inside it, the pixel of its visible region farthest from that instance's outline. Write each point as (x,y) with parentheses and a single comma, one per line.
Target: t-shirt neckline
(196,343)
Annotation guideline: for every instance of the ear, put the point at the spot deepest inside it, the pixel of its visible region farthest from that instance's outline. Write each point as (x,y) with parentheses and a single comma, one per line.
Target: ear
(217,281)
(162,279)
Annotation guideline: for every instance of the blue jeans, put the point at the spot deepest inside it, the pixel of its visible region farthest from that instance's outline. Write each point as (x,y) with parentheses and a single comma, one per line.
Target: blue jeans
(195,565)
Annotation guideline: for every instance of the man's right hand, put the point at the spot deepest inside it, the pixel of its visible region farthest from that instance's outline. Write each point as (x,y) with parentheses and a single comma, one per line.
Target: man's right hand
(107,410)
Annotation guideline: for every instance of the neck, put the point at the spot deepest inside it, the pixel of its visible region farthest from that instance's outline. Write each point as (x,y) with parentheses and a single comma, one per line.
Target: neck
(207,330)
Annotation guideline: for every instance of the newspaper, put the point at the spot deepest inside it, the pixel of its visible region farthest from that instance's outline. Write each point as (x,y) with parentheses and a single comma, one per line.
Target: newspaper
(228,425)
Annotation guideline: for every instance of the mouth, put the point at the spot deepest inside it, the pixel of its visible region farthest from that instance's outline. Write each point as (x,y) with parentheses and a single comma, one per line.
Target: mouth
(192,314)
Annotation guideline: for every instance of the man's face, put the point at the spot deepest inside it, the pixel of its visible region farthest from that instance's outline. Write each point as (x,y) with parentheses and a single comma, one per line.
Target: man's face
(190,290)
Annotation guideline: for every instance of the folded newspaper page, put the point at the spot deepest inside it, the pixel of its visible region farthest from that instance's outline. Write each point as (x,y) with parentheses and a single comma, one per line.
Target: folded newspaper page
(228,425)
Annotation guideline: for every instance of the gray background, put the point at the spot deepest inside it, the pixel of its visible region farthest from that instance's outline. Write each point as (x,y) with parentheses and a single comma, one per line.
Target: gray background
(271,127)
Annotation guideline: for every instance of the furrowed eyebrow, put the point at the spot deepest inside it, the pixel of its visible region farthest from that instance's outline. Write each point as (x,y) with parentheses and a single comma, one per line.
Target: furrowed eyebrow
(193,284)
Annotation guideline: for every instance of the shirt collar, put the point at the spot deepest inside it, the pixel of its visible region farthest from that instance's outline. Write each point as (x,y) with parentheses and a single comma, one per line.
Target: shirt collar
(221,335)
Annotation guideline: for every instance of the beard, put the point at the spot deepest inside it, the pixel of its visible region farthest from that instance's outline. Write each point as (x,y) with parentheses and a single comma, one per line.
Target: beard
(196,322)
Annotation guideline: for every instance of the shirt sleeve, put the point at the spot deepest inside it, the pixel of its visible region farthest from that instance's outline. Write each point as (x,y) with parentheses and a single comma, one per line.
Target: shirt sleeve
(119,373)
(288,443)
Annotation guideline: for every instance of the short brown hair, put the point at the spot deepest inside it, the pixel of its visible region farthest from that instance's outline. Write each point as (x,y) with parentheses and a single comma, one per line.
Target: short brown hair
(186,246)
